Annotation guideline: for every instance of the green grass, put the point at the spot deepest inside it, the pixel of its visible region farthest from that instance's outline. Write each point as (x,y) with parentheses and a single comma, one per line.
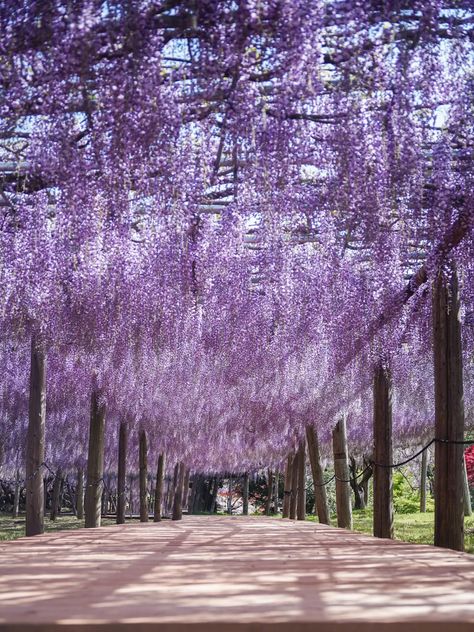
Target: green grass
(417,528)
(14,528)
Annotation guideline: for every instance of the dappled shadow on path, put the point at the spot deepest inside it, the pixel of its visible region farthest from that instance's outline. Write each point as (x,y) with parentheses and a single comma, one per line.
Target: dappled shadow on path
(239,570)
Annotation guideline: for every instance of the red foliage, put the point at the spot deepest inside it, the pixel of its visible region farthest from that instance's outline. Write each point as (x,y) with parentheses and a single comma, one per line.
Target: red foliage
(469,456)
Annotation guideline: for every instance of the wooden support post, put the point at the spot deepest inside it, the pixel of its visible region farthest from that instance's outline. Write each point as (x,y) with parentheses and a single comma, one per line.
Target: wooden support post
(45,488)
(318,475)
(16,498)
(35,497)
(195,491)
(294,485)
(104,499)
(61,494)
(383,501)
(301,490)
(72,496)
(268,504)
(423,477)
(95,462)
(341,470)
(170,492)
(449,413)
(192,497)
(276,494)
(287,486)
(245,495)
(122,472)
(143,466)
(56,495)
(186,488)
(130,496)
(80,495)
(178,494)
(166,494)
(160,470)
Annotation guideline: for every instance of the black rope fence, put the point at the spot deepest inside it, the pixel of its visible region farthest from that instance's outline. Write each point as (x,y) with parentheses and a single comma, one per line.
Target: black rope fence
(373,463)
(44,466)
(370,466)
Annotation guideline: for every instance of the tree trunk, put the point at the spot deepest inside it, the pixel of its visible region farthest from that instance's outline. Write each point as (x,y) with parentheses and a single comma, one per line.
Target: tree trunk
(359,500)
(95,462)
(56,495)
(159,487)
(268,504)
(423,475)
(16,498)
(294,485)
(80,495)
(215,491)
(318,475)
(287,486)
(301,502)
(199,501)
(365,487)
(449,413)
(143,458)
(229,499)
(178,495)
(357,486)
(383,502)
(245,495)
(122,472)
(341,470)
(35,441)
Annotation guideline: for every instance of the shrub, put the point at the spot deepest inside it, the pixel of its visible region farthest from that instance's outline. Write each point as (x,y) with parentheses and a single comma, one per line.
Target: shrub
(406,496)
(469,456)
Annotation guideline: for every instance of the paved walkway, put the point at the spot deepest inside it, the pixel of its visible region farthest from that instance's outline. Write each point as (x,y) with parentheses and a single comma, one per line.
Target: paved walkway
(236,574)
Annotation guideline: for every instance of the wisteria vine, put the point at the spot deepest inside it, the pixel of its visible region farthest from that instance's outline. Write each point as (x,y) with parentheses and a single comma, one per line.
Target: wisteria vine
(206,207)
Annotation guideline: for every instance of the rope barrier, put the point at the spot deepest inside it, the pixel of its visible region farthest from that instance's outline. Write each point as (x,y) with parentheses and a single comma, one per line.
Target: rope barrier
(414,456)
(392,465)
(22,481)
(326,482)
(54,474)
(372,463)
(353,480)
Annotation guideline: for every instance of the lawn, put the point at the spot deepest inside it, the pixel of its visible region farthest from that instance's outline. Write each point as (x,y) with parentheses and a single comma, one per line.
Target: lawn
(414,527)
(13,528)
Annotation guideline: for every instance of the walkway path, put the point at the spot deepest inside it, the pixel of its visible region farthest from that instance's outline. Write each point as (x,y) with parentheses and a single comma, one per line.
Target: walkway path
(236,574)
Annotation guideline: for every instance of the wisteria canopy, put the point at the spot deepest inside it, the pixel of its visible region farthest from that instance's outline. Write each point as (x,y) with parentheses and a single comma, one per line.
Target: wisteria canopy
(223,212)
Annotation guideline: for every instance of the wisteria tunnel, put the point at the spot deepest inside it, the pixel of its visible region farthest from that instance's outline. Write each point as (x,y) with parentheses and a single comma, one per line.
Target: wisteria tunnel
(236,315)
